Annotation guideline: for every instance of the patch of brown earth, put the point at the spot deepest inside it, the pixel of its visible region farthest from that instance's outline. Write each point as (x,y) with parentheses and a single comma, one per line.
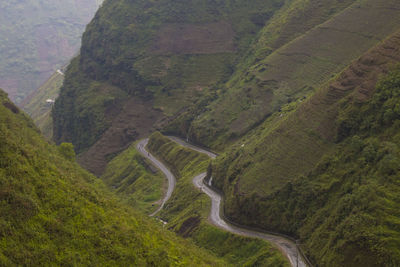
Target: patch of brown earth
(135,121)
(359,79)
(210,38)
(188,226)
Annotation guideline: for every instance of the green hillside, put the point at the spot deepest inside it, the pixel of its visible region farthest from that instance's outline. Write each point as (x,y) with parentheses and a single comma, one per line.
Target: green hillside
(301,174)
(188,210)
(295,70)
(53,212)
(135,179)
(286,91)
(38,109)
(149,58)
(37,37)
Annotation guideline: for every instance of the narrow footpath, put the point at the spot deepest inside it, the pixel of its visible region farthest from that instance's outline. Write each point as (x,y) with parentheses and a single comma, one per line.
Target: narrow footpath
(288,248)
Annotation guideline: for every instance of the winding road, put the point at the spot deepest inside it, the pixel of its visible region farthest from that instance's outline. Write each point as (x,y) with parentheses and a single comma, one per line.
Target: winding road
(141,147)
(288,248)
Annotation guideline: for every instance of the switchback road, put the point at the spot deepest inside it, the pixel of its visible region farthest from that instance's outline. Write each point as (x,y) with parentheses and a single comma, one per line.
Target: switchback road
(141,147)
(288,247)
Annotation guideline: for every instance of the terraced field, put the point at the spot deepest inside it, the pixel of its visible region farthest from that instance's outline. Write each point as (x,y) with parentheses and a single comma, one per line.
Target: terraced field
(299,68)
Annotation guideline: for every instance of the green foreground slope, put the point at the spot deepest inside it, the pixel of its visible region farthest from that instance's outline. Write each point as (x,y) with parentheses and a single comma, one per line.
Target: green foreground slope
(52,212)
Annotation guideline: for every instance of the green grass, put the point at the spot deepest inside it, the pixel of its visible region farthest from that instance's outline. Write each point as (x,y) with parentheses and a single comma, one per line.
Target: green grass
(37,108)
(127,61)
(130,175)
(188,209)
(293,68)
(344,207)
(52,212)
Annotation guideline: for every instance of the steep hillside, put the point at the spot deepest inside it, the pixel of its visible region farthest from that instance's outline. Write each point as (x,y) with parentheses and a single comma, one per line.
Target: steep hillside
(271,178)
(188,210)
(38,109)
(136,180)
(141,62)
(37,38)
(295,70)
(52,212)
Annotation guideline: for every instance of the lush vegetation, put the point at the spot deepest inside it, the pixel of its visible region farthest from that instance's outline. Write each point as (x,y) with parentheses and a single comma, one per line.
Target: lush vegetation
(37,38)
(137,47)
(281,69)
(132,177)
(188,209)
(346,210)
(307,148)
(52,212)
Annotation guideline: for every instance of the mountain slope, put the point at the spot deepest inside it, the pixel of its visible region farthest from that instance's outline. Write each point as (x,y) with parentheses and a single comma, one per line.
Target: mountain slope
(38,109)
(295,70)
(53,212)
(272,178)
(150,61)
(37,38)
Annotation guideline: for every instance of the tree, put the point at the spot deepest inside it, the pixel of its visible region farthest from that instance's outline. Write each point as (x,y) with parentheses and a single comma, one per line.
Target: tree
(67,150)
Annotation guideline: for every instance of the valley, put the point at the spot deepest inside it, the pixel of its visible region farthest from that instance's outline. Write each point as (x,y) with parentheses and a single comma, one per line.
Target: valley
(210,133)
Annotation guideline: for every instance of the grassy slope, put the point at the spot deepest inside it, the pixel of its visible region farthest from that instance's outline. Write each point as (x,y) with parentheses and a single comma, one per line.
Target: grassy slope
(37,108)
(54,213)
(188,209)
(294,19)
(134,178)
(296,69)
(262,174)
(118,49)
(37,38)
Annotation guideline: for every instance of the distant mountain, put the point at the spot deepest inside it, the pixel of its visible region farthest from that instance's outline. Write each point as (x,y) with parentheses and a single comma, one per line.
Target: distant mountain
(37,37)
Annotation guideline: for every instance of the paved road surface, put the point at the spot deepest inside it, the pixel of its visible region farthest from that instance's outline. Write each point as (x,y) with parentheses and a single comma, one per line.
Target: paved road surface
(288,248)
(141,147)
